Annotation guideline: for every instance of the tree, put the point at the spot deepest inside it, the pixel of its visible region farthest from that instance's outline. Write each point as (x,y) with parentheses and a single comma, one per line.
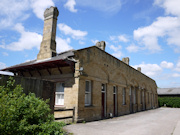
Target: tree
(25,114)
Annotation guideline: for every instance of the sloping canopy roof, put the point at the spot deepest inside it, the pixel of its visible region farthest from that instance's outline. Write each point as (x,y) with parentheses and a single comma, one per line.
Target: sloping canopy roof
(168,91)
(61,60)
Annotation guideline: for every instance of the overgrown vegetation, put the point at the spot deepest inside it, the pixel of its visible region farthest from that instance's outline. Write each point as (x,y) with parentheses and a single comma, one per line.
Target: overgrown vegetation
(169,102)
(22,114)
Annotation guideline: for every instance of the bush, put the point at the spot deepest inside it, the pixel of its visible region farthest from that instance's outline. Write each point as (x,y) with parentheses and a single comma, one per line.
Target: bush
(25,114)
(169,101)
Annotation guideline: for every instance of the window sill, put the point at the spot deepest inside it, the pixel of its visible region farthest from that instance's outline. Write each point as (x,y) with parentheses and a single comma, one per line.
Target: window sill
(88,106)
(56,107)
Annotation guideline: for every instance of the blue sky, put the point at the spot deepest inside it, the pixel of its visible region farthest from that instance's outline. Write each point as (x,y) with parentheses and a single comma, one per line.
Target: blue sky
(146,31)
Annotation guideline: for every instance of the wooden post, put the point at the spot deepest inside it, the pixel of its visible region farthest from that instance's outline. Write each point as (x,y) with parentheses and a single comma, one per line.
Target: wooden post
(73,114)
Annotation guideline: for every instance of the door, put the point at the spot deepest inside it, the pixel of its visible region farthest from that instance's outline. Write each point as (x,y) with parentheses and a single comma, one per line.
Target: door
(131,100)
(143,100)
(115,100)
(103,102)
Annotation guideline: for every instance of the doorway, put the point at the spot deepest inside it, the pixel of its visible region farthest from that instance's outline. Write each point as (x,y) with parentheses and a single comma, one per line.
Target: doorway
(103,102)
(131,100)
(115,100)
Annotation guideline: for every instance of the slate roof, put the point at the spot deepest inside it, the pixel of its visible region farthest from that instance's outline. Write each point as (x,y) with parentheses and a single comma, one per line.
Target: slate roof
(168,91)
(62,59)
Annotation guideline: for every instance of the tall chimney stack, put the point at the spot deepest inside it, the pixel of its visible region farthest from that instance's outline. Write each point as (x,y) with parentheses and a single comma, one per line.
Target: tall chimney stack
(48,44)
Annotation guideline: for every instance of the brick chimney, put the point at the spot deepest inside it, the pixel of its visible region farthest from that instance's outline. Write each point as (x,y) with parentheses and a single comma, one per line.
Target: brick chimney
(126,60)
(101,45)
(48,44)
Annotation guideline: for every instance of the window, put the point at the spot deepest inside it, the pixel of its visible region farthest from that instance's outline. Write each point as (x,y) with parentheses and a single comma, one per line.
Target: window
(88,93)
(59,98)
(124,96)
(114,89)
(103,88)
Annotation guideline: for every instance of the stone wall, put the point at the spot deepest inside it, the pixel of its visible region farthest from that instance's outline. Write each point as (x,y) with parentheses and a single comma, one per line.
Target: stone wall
(43,89)
(101,68)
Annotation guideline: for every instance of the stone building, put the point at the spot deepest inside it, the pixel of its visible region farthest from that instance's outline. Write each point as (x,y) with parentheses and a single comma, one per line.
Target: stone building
(96,83)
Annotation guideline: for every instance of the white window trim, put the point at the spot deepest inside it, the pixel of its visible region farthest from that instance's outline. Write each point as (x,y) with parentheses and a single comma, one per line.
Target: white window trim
(59,93)
(88,92)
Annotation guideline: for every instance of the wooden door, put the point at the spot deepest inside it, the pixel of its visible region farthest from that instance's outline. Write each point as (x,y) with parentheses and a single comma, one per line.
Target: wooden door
(103,102)
(103,105)
(114,101)
(131,100)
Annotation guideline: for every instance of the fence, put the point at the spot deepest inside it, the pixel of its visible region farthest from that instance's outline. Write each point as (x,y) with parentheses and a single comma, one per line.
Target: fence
(65,117)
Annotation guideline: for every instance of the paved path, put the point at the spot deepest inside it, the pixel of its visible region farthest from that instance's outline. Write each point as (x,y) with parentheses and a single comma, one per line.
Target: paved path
(161,121)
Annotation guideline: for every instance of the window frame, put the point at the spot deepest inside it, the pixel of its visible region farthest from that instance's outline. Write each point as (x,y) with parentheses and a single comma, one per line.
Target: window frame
(89,93)
(59,93)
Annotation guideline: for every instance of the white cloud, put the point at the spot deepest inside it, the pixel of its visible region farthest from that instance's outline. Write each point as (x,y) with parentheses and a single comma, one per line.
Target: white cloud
(39,7)
(123,38)
(76,34)
(81,42)
(107,6)
(63,44)
(175,75)
(112,38)
(10,14)
(170,6)
(178,66)
(117,54)
(117,51)
(15,11)
(2,65)
(70,5)
(120,38)
(114,48)
(133,48)
(151,70)
(163,26)
(94,41)
(165,64)
(27,40)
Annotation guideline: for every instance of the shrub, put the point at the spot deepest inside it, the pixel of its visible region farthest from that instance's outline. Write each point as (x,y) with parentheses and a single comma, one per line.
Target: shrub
(25,114)
(169,101)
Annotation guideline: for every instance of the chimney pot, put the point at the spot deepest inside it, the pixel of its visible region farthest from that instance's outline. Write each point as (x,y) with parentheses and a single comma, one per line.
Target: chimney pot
(101,45)
(126,60)
(139,69)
